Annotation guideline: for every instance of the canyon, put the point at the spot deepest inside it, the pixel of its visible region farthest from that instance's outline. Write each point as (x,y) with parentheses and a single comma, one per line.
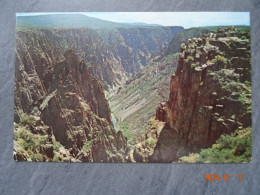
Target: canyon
(90,93)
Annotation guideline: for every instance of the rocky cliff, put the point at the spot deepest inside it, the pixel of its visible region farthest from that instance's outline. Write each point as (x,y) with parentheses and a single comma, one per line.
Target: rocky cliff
(133,47)
(110,54)
(61,75)
(85,42)
(61,113)
(210,95)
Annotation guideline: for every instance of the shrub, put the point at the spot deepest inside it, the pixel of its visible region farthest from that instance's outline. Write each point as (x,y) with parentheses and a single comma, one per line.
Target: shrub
(229,148)
(55,159)
(194,65)
(243,37)
(27,120)
(192,158)
(150,142)
(25,139)
(56,145)
(87,145)
(36,157)
(152,120)
(190,58)
(220,59)
(30,142)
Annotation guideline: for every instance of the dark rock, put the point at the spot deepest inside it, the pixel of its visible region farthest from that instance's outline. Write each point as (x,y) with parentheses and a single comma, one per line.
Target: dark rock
(47,150)
(161,112)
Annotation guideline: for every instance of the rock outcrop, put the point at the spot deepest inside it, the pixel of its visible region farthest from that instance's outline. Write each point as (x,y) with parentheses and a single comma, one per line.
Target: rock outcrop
(210,95)
(176,41)
(58,100)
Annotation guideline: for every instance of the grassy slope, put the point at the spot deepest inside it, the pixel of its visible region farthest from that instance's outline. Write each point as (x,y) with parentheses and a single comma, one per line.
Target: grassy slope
(136,103)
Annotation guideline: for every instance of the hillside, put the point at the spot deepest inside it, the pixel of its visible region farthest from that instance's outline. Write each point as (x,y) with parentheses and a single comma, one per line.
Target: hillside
(64,21)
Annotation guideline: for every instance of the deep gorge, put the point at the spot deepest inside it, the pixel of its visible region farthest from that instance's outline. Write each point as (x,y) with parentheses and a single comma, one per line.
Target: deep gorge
(129,94)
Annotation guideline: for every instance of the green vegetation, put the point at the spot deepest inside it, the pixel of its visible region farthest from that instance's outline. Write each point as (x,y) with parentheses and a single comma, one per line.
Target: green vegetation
(36,157)
(30,142)
(168,58)
(150,142)
(124,127)
(243,37)
(245,96)
(215,28)
(56,147)
(174,45)
(56,144)
(229,149)
(220,59)
(234,148)
(192,158)
(33,144)
(235,90)
(27,120)
(190,58)
(87,146)
(142,94)
(194,65)
(152,121)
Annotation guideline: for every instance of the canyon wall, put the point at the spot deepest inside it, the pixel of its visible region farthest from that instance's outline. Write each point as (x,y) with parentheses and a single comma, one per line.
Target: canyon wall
(60,101)
(133,47)
(210,95)
(61,113)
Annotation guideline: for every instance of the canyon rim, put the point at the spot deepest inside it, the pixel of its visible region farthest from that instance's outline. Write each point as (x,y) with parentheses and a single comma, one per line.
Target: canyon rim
(133,87)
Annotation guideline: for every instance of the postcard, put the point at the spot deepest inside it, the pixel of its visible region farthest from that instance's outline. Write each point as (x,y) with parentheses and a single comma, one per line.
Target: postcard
(140,87)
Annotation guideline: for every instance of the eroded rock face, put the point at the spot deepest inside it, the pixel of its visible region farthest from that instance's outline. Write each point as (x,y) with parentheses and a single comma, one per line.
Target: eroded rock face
(47,45)
(134,46)
(110,55)
(210,94)
(59,90)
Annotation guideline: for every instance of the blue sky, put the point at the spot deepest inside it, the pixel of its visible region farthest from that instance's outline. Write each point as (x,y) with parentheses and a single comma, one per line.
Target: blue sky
(185,19)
